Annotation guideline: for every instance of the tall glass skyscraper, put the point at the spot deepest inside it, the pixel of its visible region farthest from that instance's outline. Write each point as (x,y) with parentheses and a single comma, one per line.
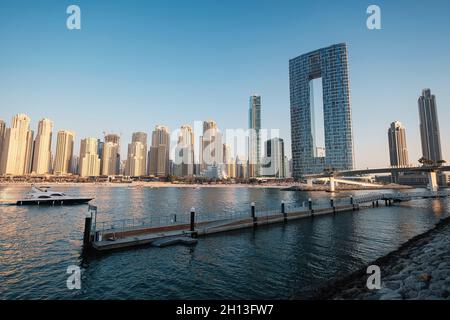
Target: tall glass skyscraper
(254,124)
(398,151)
(331,66)
(429,127)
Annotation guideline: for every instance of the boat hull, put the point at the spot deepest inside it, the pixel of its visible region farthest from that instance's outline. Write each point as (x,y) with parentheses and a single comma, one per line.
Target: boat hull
(53,202)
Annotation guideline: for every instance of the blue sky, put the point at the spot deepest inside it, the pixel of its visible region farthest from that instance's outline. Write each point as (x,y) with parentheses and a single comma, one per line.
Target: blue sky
(135,64)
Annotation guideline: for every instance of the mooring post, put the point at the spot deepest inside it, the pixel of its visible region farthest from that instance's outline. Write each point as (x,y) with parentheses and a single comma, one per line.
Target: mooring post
(377,203)
(332,205)
(192,220)
(87,230)
(310,206)
(351,200)
(253,210)
(283,211)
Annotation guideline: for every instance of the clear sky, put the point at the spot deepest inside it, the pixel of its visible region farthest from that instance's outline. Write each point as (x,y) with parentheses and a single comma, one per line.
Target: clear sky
(135,64)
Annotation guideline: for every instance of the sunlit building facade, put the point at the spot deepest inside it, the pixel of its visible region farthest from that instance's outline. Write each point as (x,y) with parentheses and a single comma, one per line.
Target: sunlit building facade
(17,149)
(254,124)
(64,152)
(137,155)
(429,127)
(42,153)
(331,66)
(89,160)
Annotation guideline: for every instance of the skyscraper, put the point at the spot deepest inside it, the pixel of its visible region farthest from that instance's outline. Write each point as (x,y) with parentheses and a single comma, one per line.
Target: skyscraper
(17,147)
(89,161)
(398,150)
(42,153)
(115,139)
(158,160)
(137,155)
(184,152)
(331,66)
(429,127)
(110,159)
(273,164)
(64,152)
(241,168)
(254,124)
(229,164)
(211,146)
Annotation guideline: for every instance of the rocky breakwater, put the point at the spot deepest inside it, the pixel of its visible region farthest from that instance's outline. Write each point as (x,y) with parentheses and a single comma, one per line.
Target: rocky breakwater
(419,269)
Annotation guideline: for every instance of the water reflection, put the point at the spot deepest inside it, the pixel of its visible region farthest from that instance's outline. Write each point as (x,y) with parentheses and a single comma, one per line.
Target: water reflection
(38,243)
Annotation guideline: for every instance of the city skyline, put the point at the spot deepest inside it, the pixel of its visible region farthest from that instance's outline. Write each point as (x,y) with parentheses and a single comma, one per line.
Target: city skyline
(51,92)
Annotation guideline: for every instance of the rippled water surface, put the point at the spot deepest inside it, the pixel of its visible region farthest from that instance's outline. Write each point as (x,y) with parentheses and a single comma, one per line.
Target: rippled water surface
(37,244)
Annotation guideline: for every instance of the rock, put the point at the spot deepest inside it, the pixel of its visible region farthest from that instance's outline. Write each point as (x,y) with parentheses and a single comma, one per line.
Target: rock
(440,274)
(442,265)
(411,294)
(410,281)
(425,277)
(391,296)
(393,285)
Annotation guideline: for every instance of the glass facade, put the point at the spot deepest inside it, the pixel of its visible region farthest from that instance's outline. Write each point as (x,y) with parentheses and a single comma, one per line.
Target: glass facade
(330,64)
(254,124)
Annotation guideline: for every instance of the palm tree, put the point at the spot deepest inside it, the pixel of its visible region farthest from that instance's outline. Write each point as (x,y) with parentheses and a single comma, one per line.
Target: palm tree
(425,161)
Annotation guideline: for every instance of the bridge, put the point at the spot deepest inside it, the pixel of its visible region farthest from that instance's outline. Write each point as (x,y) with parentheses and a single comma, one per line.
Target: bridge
(332,175)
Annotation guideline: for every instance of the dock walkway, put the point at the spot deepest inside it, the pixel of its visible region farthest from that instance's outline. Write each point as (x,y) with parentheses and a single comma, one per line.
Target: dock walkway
(107,236)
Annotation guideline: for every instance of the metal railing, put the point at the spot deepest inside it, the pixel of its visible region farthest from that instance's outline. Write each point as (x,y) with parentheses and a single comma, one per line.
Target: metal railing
(123,225)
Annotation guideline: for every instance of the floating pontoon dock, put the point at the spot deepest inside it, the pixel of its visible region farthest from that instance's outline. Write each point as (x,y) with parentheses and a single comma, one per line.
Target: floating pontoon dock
(184,229)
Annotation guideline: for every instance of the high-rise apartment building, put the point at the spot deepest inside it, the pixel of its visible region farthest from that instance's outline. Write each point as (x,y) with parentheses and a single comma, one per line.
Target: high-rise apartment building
(110,158)
(42,153)
(16,155)
(398,150)
(158,160)
(429,127)
(228,163)
(184,152)
(273,161)
(241,168)
(64,152)
(137,155)
(254,125)
(211,146)
(330,67)
(115,139)
(89,161)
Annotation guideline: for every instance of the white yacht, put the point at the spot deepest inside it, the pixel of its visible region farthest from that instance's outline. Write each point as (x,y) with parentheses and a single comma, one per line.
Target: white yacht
(43,195)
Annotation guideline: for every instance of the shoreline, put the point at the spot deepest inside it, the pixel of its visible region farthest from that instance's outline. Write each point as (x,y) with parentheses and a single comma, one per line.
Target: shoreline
(157,184)
(418,269)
